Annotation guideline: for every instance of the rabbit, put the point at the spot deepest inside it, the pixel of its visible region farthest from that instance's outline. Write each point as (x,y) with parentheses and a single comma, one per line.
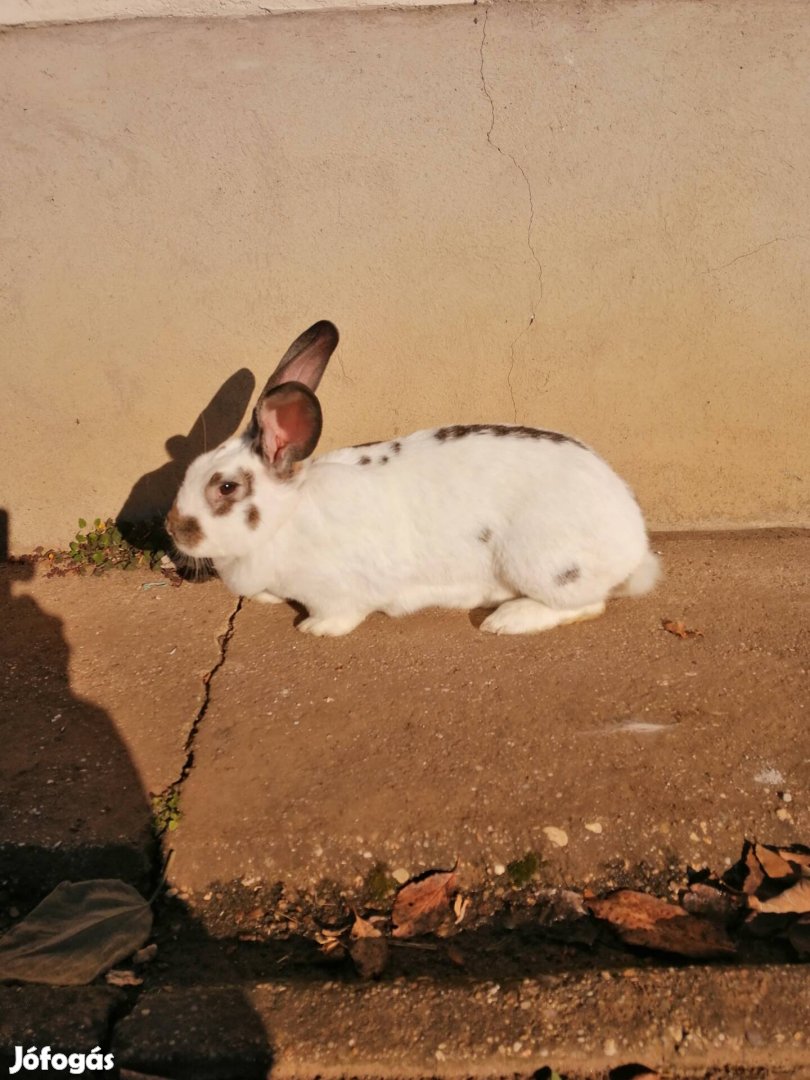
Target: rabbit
(531,523)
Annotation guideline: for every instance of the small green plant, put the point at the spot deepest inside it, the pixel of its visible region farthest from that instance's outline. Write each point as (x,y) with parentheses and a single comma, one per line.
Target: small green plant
(521,871)
(379,884)
(104,546)
(166,812)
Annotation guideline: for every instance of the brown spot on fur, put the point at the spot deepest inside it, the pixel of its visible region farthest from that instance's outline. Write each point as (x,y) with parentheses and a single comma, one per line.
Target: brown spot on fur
(569,576)
(364,460)
(485,536)
(253,516)
(518,431)
(383,460)
(396,447)
(216,478)
(183,530)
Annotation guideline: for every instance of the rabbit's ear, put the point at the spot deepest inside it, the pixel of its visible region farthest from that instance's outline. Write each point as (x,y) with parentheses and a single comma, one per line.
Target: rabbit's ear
(306,359)
(287,424)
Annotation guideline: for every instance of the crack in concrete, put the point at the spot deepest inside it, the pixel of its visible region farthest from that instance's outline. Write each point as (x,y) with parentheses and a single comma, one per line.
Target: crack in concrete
(224,642)
(529,241)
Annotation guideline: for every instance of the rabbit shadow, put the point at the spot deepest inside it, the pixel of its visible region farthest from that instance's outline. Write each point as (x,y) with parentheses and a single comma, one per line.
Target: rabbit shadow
(152,495)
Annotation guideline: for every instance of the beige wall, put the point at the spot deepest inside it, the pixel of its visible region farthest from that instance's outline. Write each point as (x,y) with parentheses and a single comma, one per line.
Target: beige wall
(589,217)
(42,12)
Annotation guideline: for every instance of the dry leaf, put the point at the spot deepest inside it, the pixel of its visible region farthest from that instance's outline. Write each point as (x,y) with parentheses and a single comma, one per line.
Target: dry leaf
(367,948)
(460,905)
(797,854)
(119,977)
(772,862)
(710,902)
(362,928)
(640,919)
(795,900)
(79,930)
(422,906)
(679,628)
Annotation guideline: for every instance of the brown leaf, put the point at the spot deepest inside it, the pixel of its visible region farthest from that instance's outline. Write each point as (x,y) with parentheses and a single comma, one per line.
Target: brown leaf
(679,628)
(640,919)
(798,854)
(362,928)
(422,906)
(710,903)
(772,862)
(794,900)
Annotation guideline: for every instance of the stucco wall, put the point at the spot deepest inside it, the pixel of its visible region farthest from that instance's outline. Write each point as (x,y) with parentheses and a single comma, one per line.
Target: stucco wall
(41,12)
(586,217)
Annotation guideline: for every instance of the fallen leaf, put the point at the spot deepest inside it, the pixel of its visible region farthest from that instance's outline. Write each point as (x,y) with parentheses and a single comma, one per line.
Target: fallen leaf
(367,948)
(80,930)
(710,902)
(362,928)
(772,862)
(460,905)
(679,628)
(422,905)
(797,854)
(640,919)
(795,900)
(118,977)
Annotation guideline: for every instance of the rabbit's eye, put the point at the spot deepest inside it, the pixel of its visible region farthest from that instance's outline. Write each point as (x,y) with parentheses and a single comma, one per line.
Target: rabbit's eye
(228,487)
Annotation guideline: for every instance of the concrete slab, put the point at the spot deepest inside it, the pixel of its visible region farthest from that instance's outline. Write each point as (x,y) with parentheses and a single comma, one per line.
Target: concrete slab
(69,1020)
(102,680)
(420,741)
(742,1022)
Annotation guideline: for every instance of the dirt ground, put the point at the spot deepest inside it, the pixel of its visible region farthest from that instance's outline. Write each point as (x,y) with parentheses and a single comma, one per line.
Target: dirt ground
(420,742)
(301,777)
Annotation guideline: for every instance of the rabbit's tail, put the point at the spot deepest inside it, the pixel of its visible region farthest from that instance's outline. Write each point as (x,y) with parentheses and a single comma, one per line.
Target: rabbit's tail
(643,578)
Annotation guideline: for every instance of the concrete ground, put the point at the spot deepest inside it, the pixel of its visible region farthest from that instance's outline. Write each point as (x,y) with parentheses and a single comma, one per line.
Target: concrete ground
(309,770)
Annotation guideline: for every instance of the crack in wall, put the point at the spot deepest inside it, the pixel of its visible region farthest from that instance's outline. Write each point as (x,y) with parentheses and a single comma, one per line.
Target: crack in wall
(529,241)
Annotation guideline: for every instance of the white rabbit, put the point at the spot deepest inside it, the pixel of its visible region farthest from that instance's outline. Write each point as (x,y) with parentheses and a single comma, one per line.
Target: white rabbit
(529,522)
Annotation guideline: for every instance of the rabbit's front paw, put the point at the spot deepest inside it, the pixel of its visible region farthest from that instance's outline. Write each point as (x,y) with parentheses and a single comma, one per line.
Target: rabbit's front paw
(332,626)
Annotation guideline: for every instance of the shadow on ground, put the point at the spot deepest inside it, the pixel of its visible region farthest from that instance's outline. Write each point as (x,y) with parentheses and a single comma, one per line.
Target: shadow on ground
(72,807)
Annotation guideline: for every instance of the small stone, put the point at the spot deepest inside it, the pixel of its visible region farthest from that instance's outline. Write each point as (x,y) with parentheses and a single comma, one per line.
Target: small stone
(785,796)
(610,1048)
(556,836)
(498,869)
(594,827)
(783,814)
(400,875)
